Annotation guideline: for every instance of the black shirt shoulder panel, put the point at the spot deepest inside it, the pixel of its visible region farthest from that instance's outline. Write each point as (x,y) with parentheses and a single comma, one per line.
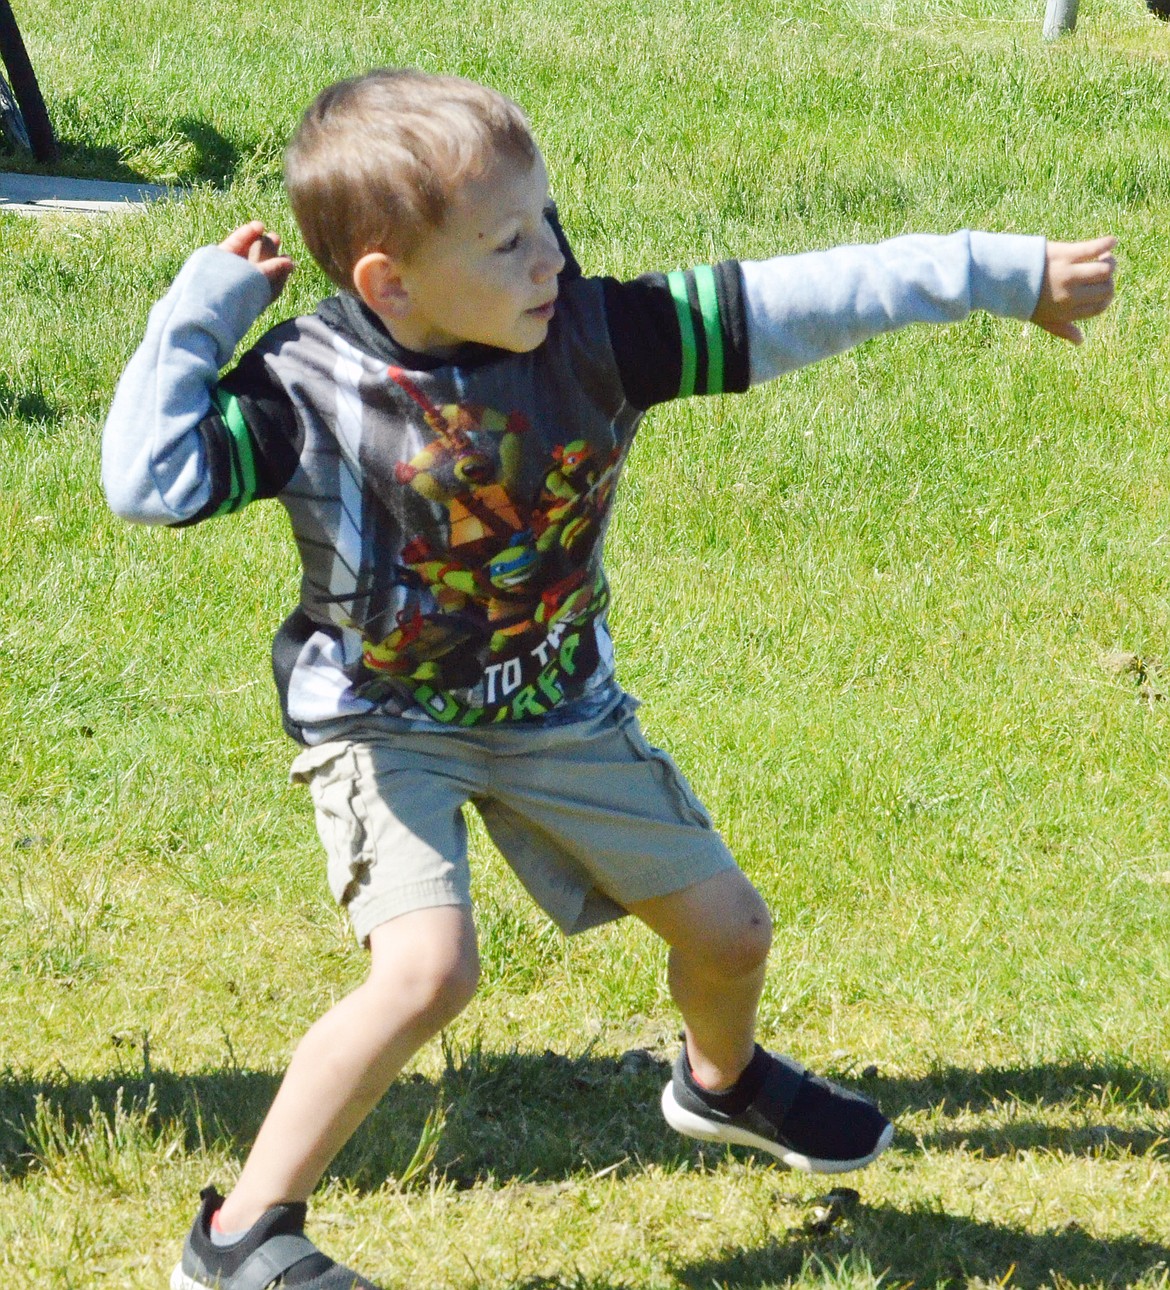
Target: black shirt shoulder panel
(271,421)
(679,334)
(644,333)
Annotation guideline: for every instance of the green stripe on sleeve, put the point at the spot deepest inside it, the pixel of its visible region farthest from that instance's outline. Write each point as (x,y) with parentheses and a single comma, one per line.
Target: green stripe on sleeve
(229,502)
(243,461)
(678,290)
(709,305)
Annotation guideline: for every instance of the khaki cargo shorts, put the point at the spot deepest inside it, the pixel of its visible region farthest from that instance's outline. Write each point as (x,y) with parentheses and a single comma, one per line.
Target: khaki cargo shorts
(589,815)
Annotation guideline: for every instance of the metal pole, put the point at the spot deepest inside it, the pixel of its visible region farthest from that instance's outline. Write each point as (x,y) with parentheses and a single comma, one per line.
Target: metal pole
(1059,17)
(24,86)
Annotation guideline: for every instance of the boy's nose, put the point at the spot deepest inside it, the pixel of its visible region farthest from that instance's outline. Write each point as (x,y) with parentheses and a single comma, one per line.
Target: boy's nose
(549,263)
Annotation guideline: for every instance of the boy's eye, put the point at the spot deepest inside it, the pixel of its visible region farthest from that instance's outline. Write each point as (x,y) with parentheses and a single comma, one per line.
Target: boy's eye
(510,245)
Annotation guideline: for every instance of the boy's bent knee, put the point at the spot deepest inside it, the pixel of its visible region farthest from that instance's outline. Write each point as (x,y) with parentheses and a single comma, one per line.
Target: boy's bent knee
(427,960)
(737,947)
(734,938)
(720,925)
(439,987)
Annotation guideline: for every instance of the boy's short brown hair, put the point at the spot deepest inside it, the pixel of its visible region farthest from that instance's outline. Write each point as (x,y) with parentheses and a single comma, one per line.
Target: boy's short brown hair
(377,159)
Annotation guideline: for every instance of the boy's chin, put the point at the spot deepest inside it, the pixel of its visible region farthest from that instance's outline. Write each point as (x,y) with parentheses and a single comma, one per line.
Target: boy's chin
(521,336)
(518,344)
(540,330)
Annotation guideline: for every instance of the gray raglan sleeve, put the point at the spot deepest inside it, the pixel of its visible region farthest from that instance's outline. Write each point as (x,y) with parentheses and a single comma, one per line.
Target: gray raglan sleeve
(155,467)
(801,308)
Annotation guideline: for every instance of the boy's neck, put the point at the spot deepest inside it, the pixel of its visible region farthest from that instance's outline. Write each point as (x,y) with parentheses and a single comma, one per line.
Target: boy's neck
(415,339)
(369,332)
(399,338)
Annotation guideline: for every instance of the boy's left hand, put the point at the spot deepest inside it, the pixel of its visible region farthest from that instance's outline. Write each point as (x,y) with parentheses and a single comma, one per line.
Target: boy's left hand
(1078,283)
(253,243)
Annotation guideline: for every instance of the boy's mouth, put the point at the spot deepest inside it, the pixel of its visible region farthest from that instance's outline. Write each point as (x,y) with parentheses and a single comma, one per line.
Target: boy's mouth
(543,313)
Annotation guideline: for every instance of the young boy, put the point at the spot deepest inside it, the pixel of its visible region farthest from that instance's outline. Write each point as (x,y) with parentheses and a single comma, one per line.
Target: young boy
(446,436)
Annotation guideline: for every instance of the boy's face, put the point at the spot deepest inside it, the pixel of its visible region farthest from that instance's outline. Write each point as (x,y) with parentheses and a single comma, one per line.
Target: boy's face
(489,274)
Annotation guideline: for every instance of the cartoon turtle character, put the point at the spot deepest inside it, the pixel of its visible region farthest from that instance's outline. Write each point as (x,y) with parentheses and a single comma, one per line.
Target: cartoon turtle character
(471,467)
(453,584)
(513,598)
(416,645)
(575,494)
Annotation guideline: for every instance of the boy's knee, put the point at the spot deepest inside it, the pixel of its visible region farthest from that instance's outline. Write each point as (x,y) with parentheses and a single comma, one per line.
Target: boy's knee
(737,944)
(718,927)
(452,989)
(748,947)
(438,986)
(435,974)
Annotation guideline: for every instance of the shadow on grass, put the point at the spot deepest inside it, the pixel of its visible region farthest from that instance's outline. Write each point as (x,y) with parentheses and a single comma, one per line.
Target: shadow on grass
(507,1116)
(205,155)
(1088,1140)
(956,1089)
(1089,1091)
(923,1247)
(547,1118)
(26,404)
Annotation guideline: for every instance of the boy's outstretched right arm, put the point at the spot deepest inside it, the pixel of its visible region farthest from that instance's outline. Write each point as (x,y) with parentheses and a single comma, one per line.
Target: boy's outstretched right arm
(172,447)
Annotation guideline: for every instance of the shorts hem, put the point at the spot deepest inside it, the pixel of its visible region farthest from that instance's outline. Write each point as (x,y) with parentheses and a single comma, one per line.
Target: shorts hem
(405,900)
(598,908)
(679,878)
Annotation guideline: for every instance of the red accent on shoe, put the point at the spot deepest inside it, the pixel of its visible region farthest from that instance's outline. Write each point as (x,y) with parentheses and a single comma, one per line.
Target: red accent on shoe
(217,1225)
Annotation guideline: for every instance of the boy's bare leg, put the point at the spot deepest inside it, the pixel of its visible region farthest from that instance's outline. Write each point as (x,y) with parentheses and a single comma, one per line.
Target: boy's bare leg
(423,972)
(719,932)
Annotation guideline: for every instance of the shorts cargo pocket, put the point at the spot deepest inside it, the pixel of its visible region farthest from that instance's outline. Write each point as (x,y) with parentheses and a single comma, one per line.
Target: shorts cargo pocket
(686,803)
(331,773)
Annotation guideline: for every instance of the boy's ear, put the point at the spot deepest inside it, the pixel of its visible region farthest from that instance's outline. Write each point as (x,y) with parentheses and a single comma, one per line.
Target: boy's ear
(378,281)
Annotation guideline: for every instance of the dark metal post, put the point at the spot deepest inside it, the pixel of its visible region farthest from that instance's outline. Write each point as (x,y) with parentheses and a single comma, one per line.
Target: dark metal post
(25,87)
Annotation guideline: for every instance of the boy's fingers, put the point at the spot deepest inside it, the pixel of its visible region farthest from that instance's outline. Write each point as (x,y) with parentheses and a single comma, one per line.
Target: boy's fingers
(1101,292)
(1095,270)
(1078,284)
(1065,330)
(1092,249)
(1090,275)
(1079,304)
(1089,283)
(277,271)
(260,248)
(1090,307)
(265,247)
(240,239)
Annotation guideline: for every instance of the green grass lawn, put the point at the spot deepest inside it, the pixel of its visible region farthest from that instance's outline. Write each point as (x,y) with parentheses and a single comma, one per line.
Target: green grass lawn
(871,609)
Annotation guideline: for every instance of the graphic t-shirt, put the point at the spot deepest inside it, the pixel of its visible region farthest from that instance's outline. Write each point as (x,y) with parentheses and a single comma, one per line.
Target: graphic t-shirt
(450,515)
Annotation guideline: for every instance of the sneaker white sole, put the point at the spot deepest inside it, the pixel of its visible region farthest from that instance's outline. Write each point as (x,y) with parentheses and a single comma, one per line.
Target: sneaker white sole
(694,1126)
(181,1281)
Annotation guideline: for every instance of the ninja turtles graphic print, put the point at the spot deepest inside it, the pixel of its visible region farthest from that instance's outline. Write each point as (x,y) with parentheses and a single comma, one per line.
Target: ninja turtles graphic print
(499,595)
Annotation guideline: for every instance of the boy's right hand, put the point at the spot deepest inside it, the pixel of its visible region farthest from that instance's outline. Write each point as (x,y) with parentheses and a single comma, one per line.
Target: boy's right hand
(253,243)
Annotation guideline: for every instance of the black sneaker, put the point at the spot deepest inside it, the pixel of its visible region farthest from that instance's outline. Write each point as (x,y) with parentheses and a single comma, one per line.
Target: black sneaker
(273,1252)
(804,1120)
